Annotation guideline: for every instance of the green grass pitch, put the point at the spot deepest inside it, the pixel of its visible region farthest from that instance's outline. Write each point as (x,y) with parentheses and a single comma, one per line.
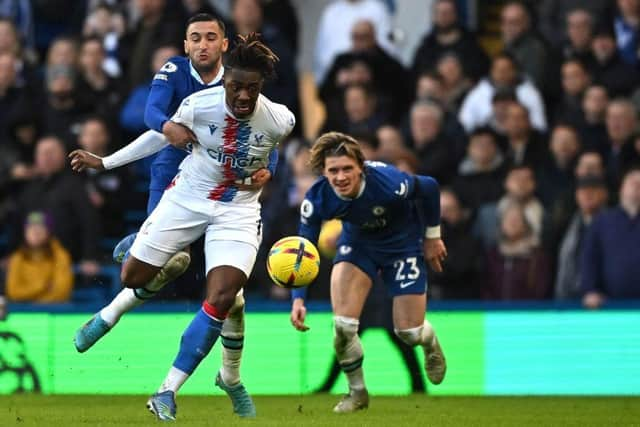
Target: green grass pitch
(315,410)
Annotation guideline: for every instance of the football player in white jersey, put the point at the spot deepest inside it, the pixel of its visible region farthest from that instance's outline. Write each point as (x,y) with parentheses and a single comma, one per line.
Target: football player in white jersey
(235,128)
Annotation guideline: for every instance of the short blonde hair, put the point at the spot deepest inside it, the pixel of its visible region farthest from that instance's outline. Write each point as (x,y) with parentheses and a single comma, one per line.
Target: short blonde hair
(334,144)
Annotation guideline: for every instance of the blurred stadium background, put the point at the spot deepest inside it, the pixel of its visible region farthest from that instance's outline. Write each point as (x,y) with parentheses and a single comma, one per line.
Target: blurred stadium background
(526,112)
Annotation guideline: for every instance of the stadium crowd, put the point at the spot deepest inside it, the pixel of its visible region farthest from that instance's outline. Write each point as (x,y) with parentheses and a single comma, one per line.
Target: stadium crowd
(536,147)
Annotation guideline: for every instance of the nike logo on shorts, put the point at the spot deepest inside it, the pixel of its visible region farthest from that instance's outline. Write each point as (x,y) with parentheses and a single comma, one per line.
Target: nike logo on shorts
(406,284)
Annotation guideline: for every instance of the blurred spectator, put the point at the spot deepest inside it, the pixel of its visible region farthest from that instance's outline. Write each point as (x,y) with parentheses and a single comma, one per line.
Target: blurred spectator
(461,277)
(630,155)
(591,124)
(54,18)
(362,114)
(481,173)
(430,86)
(609,69)
(520,186)
(247,18)
(580,27)
(110,191)
(24,62)
(589,164)
(40,270)
(553,15)
(154,28)
(16,160)
(610,264)
(455,84)
(525,145)
(627,27)
(282,14)
(132,113)
(389,78)
(621,121)
(63,195)
(368,142)
(109,26)
(556,174)
(476,108)
(517,267)
(429,143)
(390,143)
(575,81)
(97,87)
(63,51)
(449,36)
(591,197)
(194,7)
(63,108)
(20,13)
(527,48)
(500,103)
(14,97)
(335,26)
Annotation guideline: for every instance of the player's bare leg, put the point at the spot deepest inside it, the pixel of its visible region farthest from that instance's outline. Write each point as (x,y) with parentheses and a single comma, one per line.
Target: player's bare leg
(412,328)
(349,289)
(129,298)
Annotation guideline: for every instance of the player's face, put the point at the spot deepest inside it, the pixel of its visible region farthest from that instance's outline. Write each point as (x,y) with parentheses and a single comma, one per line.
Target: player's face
(205,44)
(242,88)
(344,175)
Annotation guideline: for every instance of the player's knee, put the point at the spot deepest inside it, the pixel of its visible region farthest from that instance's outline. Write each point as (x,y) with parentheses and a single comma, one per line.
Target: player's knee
(411,337)
(345,329)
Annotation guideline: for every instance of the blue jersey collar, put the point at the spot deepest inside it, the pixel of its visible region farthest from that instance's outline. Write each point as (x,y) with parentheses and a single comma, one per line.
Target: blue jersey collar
(196,76)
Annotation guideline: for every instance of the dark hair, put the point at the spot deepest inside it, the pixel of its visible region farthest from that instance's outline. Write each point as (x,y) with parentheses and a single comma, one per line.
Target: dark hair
(485,130)
(250,53)
(206,17)
(509,57)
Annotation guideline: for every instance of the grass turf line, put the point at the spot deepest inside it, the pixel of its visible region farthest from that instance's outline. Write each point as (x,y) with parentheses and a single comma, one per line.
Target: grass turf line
(315,410)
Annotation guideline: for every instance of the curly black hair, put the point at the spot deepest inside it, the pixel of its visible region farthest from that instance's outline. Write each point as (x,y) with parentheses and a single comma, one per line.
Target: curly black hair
(250,53)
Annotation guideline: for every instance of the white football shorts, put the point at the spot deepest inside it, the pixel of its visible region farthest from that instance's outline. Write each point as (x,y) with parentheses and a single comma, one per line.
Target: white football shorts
(232,231)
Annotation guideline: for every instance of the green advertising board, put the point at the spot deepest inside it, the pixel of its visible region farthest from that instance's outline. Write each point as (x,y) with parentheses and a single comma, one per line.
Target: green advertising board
(488,353)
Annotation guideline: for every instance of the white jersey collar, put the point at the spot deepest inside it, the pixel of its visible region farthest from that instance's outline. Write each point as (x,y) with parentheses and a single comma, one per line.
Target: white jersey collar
(196,76)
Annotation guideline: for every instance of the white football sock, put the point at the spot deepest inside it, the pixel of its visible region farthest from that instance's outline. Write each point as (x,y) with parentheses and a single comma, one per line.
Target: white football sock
(349,350)
(232,342)
(174,380)
(123,302)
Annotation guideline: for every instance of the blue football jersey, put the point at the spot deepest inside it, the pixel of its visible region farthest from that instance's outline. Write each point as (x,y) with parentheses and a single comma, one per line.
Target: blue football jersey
(176,80)
(384,214)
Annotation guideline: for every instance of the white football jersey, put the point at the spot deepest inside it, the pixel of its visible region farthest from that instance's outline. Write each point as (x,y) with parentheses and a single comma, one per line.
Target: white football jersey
(228,149)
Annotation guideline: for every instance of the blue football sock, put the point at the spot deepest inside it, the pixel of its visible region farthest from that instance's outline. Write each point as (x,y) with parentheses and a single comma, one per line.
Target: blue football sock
(197,341)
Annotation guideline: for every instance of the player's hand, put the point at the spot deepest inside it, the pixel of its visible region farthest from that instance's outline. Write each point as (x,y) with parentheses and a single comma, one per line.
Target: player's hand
(592,300)
(435,252)
(298,314)
(258,180)
(81,160)
(178,135)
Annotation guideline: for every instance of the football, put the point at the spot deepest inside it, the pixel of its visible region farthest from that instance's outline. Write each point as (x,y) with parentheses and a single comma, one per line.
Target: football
(293,262)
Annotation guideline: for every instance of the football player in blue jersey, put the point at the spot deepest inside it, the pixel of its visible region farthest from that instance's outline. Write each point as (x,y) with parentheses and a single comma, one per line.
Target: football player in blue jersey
(391,224)
(204,44)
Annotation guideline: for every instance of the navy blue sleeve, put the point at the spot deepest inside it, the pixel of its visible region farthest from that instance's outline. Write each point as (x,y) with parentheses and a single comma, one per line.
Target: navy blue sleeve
(273,162)
(309,227)
(163,89)
(427,190)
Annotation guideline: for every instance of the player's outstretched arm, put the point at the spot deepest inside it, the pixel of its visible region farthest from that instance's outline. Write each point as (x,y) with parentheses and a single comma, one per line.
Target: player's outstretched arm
(298,314)
(143,146)
(81,160)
